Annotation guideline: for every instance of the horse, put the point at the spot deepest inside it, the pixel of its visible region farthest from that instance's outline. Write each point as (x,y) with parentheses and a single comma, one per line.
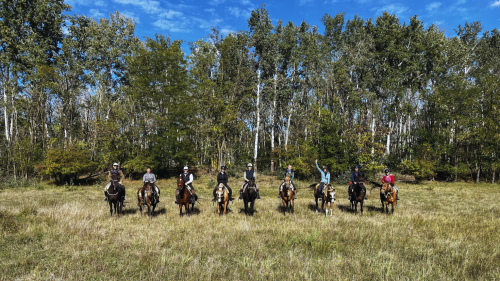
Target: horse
(115,193)
(150,198)
(388,195)
(184,196)
(249,196)
(287,195)
(328,196)
(357,195)
(222,199)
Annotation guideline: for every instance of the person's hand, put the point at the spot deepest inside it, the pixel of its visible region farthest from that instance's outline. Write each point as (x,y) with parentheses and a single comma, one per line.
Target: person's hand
(316,161)
(355,183)
(120,182)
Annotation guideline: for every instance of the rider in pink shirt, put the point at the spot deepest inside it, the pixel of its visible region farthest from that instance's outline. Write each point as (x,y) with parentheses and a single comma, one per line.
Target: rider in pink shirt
(390,178)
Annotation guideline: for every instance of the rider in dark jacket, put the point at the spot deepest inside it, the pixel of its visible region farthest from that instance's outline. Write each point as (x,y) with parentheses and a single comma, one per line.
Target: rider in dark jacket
(355,180)
(222,177)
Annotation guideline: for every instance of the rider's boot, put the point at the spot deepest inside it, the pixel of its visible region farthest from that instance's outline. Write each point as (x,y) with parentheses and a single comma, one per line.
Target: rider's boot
(241,195)
(295,195)
(177,199)
(105,196)
(159,192)
(231,196)
(258,196)
(279,194)
(397,196)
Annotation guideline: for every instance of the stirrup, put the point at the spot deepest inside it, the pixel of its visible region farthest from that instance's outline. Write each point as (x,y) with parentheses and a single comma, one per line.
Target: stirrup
(213,200)
(106,199)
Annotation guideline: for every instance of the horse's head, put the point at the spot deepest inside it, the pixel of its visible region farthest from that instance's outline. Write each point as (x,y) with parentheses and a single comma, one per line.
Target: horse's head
(149,186)
(386,188)
(180,182)
(251,183)
(114,180)
(330,192)
(220,192)
(287,181)
(361,181)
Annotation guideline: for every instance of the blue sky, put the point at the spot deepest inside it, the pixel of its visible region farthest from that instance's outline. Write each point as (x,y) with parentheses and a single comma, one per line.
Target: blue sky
(191,20)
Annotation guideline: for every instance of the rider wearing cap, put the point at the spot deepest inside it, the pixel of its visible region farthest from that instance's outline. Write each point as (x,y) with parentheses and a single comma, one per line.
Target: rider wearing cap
(187,177)
(289,173)
(222,177)
(355,179)
(115,170)
(149,177)
(325,177)
(248,175)
(388,177)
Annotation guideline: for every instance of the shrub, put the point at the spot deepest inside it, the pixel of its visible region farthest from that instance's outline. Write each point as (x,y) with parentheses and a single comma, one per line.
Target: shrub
(66,165)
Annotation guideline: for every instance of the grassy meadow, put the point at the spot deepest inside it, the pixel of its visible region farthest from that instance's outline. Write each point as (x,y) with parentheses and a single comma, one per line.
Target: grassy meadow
(439,231)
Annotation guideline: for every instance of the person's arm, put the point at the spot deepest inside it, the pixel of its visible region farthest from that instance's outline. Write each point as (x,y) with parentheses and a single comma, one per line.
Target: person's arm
(154,178)
(328,178)
(218,178)
(190,179)
(122,177)
(392,179)
(144,178)
(245,176)
(109,176)
(319,168)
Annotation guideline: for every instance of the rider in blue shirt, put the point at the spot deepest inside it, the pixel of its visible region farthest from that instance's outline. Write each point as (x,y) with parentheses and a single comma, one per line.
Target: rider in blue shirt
(325,177)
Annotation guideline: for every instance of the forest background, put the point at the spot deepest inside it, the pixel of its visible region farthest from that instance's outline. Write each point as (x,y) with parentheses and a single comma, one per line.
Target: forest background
(79,94)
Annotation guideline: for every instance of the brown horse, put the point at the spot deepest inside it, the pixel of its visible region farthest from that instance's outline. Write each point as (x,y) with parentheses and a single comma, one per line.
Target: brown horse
(327,196)
(222,199)
(388,195)
(249,196)
(287,195)
(115,194)
(150,198)
(357,194)
(184,196)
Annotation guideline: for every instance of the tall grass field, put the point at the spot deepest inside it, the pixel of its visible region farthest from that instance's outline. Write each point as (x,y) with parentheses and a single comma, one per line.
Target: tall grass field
(438,231)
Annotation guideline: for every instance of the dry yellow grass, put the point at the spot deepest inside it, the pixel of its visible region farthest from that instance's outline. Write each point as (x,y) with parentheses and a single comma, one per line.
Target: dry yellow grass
(438,231)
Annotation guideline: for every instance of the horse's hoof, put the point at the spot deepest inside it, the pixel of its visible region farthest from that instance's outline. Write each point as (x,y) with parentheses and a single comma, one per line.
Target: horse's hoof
(316,211)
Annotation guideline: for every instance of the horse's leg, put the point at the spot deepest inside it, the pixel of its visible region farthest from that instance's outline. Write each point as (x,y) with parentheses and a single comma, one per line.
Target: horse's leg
(316,199)
(180,210)
(361,205)
(393,202)
(225,207)
(251,206)
(291,203)
(322,204)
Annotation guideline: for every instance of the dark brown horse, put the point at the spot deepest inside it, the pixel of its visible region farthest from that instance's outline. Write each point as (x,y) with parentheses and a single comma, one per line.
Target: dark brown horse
(150,198)
(287,195)
(115,194)
(357,194)
(249,196)
(388,196)
(184,196)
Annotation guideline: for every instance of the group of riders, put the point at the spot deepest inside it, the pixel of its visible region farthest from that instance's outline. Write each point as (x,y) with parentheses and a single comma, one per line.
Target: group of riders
(249,174)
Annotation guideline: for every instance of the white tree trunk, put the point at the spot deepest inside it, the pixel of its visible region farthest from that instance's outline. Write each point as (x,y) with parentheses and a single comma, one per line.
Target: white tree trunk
(6,116)
(388,145)
(273,111)
(256,146)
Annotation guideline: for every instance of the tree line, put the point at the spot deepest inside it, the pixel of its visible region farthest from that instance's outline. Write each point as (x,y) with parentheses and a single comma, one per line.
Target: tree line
(80,94)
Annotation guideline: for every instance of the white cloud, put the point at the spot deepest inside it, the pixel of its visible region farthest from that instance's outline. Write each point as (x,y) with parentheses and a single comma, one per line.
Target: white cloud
(226,31)
(216,2)
(391,9)
(74,3)
(433,6)
(149,6)
(172,26)
(245,2)
(460,2)
(237,12)
(94,13)
(170,14)
(495,4)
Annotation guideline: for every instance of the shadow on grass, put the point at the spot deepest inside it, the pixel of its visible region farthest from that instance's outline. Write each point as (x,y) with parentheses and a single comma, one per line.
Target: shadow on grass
(250,212)
(282,209)
(192,212)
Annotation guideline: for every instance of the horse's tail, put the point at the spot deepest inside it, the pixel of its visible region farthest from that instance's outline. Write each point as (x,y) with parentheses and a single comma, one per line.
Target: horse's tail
(313,185)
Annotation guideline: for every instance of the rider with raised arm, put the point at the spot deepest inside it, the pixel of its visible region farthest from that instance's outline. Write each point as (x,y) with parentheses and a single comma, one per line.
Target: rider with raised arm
(325,177)
(388,177)
(149,177)
(117,171)
(187,177)
(222,177)
(355,180)
(249,175)
(289,172)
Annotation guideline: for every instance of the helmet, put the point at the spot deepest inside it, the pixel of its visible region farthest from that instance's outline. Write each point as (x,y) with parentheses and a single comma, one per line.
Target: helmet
(115,164)
(386,171)
(223,167)
(325,167)
(249,165)
(186,168)
(356,167)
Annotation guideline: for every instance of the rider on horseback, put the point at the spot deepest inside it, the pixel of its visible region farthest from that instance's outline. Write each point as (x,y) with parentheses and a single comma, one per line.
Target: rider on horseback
(222,177)
(325,177)
(390,178)
(355,180)
(115,170)
(289,173)
(187,177)
(149,177)
(249,175)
